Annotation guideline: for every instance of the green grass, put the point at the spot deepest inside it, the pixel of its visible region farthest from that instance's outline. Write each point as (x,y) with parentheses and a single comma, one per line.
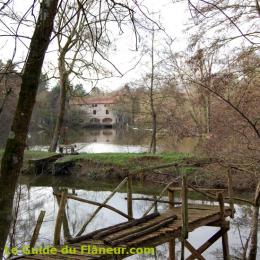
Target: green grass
(128,159)
(31,154)
(131,161)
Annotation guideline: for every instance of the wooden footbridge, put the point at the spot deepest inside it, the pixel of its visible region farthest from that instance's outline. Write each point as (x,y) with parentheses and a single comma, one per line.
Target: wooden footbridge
(151,230)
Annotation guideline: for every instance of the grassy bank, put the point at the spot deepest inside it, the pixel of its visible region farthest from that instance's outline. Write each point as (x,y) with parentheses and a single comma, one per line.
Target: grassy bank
(130,160)
(109,167)
(121,160)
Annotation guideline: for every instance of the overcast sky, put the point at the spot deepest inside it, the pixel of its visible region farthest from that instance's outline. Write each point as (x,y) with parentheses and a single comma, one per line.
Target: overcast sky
(173,18)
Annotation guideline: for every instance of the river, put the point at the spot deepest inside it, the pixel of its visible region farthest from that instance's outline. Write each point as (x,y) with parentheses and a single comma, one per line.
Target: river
(36,194)
(116,140)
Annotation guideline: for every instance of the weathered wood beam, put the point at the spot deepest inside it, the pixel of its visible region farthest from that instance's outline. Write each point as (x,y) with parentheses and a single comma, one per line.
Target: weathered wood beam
(97,204)
(202,192)
(230,191)
(225,246)
(172,241)
(159,197)
(109,230)
(184,209)
(100,207)
(37,229)
(206,245)
(197,189)
(129,196)
(59,219)
(141,231)
(160,201)
(190,163)
(193,250)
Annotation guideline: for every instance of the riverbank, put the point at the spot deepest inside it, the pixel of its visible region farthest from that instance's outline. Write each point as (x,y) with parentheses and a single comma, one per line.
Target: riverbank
(113,167)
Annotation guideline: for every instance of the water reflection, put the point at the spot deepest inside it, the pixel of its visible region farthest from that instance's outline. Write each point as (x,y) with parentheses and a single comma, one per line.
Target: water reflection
(33,199)
(116,140)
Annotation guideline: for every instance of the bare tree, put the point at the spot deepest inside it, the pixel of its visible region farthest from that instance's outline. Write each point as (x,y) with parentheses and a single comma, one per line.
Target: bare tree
(84,41)
(13,155)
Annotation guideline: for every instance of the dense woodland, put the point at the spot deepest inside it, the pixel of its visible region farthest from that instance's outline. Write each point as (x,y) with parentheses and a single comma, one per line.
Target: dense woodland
(209,89)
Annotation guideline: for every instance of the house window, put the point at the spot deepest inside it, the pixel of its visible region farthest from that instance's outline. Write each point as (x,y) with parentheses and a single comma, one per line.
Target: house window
(94,105)
(94,112)
(107,112)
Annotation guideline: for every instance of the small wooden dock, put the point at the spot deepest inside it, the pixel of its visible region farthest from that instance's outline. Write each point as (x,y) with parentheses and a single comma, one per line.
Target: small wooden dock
(151,230)
(198,216)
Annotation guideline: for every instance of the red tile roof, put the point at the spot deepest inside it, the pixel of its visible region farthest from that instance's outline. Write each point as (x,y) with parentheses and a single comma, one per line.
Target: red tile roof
(92,100)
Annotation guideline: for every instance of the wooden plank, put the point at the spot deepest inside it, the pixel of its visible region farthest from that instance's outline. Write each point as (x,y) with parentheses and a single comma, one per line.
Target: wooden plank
(206,245)
(197,189)
(172,241)
(59,219)
(97,204)
(225,246)
(129,195)
(108,230)
(230,190)
(159,197)
(184,208)
(157,200)
(142,231)
(174,230)
(127,225)
(193,250)
(37,228)
(140,226)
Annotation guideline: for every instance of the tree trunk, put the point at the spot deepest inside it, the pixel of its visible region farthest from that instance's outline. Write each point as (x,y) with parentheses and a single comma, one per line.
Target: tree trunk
(154,121)
(13,155)
(154,132)
(253,245)
(208,113)
(62,104)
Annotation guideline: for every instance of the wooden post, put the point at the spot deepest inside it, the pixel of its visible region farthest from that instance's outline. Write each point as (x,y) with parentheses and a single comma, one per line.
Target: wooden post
(171,198)
(159,197)
(129,195)
(226,255)
(59,219)
(65,224)
(184,209)
(37,229)
(172,241)
(184,212)
(230,191)
(155,204)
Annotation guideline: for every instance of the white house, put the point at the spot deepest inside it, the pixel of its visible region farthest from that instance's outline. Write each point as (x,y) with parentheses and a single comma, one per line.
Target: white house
(99,110)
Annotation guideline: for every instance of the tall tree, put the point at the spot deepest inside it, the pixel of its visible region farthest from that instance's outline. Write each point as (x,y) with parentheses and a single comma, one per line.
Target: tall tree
(84,38)
(152,105)
(13,154)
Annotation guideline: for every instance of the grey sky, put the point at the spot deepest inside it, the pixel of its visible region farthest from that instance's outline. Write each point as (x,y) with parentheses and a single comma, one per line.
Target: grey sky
(172,17)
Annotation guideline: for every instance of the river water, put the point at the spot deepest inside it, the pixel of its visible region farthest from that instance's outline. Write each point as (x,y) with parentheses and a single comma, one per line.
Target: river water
(36,194)
(116,140)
